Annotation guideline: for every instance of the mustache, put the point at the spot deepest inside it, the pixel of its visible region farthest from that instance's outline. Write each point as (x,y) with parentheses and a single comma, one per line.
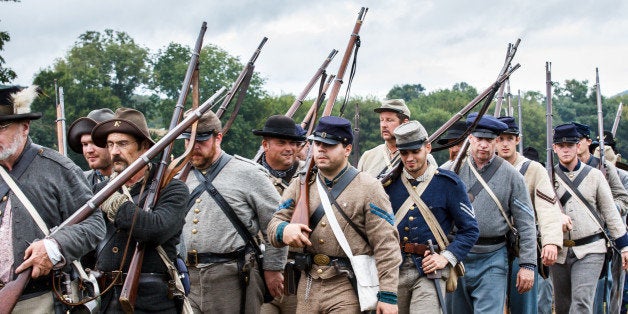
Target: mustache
(117,159)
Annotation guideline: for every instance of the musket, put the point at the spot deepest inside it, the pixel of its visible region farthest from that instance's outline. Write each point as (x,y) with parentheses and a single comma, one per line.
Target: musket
(436,276)
(320,74)
(356,135)
(61,139)
(310,118)
(511,111)
(510,55)
(11,292)
(301,211)
(128,294)
(617,118)
(549,158)
(520,121)
(600,122)
(241,84)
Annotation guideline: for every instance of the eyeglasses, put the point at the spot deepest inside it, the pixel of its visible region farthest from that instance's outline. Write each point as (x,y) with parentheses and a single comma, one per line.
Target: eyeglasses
(120,144)
(5,126)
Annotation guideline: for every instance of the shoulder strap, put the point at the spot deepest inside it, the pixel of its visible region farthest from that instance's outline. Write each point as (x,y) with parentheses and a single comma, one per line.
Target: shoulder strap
(25,201)
(486,175)
(333,222)
(574,184)
(222,161)
(491,193)
(336,190)
(419,189)
(572,189)
(524,167)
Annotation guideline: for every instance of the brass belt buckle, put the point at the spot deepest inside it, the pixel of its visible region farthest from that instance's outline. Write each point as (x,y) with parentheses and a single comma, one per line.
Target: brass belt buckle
(194,259)
(569,243)
(321,260)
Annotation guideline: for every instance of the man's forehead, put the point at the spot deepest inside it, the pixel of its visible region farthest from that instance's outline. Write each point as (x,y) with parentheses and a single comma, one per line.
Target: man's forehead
(113,137)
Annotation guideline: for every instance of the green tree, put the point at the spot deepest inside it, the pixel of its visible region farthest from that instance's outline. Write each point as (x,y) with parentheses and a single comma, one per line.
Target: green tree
(6,74)
(406,92)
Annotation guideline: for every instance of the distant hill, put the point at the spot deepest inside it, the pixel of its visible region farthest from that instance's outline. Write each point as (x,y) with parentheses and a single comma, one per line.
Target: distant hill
(621,94)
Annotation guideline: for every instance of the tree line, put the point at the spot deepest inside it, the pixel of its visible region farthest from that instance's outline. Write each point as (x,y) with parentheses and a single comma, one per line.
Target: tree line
(109,69)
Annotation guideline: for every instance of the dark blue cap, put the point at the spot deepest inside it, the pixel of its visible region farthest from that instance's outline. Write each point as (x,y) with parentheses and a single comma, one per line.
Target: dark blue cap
(583,129)
(300,130)
(513,128)
(333,130)
(488,126)
(566,133)
(456,131)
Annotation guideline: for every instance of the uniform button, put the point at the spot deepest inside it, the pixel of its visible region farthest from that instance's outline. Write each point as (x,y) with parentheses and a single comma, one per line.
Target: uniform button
(194,251)
(198,200)
(195,220)
(196,210)
(320,271)
(405,239)
(411,218)
(0,213)
(321,241)
(4,198)
(323,224)
(114,249)
(411,208)
(194,231)
(406,229)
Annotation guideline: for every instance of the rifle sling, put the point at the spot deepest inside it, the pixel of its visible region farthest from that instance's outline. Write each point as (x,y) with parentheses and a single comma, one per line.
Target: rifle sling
(524,167)
(486,175)
(574,187)
(336,190)
(574,184)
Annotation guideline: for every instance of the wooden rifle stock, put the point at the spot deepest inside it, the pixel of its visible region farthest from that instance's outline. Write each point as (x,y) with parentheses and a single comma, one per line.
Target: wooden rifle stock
(128,293)
(13,289)
(600,122)
(345,61)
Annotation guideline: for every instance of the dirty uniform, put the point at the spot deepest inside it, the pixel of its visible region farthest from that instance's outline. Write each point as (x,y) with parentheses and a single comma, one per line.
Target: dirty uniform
(223,271)
(323,288)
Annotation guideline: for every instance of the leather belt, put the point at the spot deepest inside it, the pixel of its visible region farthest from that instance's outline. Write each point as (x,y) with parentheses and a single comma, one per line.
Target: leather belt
(194,258)
(582,241)
(490,240)
(320,259)
(415,248)
(118,278)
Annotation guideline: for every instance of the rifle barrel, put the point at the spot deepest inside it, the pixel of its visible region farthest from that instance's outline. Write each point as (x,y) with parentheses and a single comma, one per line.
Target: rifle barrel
(600,119)
(617,118)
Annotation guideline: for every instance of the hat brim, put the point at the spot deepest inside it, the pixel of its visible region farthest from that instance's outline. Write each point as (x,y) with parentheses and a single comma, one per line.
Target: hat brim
(511,132)
(484,134)
(411,146)
(378,110)
(200,137)
(572,140)
(21,116)
(79,127)
(323,140)
(279,135)
(452,135)
(103,129)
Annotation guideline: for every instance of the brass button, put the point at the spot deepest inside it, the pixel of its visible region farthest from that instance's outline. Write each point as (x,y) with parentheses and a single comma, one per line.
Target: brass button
(323,224)
(194,251)
(406,229)
(198,200)
(195,220)
(320,271)
(0,213)
(411,208)
(4,198)
(411,218)
(405,239)
(321,241)
(194,231)
(196,210)
(114,249)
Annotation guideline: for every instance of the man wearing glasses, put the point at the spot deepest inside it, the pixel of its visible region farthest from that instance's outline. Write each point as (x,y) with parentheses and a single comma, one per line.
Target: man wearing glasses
(231,201)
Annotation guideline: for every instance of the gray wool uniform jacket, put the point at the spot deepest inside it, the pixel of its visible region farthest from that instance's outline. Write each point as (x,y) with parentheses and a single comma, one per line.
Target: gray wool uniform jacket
(510,188)
(57,188)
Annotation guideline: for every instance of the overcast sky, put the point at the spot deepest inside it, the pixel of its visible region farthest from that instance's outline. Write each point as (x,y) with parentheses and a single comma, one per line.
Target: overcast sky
(434,43)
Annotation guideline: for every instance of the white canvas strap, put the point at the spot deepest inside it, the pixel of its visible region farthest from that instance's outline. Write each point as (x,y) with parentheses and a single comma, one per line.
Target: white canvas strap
(331,217)
(29,206)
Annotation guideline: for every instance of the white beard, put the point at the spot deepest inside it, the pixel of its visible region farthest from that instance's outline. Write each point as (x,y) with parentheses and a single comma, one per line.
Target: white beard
(6,152)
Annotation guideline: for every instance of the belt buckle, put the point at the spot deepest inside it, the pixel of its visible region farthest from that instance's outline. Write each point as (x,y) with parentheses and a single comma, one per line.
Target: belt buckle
(116,277)
(321,260)
(194,262)
(569,243)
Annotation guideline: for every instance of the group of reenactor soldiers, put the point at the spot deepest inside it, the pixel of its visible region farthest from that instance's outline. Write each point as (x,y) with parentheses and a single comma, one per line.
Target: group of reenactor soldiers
(232,219)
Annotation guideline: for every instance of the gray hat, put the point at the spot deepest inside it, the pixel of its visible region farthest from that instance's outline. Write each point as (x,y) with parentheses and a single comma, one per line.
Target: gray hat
(125,120)
(84,125)
(410,135)
(208,124)
(394,105)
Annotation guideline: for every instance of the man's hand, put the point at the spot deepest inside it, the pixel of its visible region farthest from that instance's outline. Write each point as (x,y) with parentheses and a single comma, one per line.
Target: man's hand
(36,257)
(386,308)
(274,281)
(525,280)
(549,253)
(294,235)
(567,223)
(624,260)
(433,262)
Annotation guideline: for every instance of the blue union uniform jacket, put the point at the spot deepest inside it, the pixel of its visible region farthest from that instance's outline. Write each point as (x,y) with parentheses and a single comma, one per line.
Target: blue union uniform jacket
(446,197)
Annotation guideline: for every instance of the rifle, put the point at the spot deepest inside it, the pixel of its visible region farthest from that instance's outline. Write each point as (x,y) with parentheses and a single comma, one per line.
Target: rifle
(436,276)
(549,161)
(62,142)
(128,293)
(356,134)
(320,73)
(13,289)
(510,55)
(511,111)
(600,122)
(520,122)
(310,118)
(617,118)
(302,211)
